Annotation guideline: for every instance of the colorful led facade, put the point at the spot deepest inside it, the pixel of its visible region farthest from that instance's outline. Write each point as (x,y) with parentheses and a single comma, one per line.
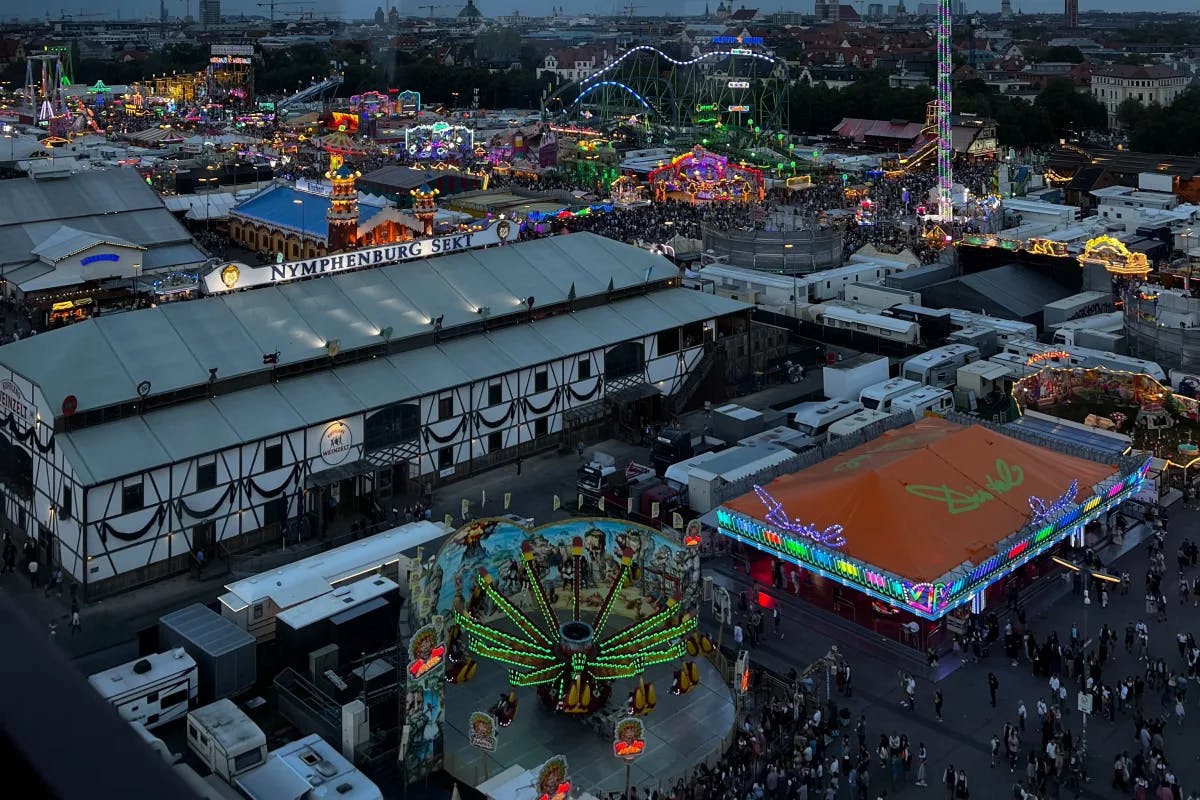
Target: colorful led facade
(1056,520)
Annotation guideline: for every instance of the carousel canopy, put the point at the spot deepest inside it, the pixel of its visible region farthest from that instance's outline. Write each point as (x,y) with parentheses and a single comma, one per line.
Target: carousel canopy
(339,142)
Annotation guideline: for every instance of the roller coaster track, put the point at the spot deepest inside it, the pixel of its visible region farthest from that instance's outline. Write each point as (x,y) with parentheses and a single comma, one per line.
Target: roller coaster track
(316,90)
(690,62)
(585,86)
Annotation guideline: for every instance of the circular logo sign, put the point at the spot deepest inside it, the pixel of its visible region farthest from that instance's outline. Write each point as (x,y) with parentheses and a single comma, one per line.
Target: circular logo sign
(503,230)
(230,275)
(336,442)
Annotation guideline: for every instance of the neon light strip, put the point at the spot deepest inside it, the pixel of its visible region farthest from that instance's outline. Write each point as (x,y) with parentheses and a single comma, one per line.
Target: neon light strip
(929,601)
(661,54)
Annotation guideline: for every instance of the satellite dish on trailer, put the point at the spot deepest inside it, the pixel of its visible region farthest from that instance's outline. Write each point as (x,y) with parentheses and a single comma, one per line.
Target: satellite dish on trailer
(69,405)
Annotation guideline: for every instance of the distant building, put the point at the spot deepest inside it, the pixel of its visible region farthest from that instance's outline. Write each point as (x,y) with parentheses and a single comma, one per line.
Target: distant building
(210,13)
(1116,83)
(1071,13)
(826,10)
(470,13)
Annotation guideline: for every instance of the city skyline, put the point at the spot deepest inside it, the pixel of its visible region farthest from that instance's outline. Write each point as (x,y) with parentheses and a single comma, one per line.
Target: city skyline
(364,9)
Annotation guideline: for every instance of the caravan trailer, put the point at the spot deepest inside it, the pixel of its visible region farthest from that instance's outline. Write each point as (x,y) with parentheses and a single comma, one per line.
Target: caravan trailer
(927,398)
(153,690)
(1038,356)
(254,603)
(939,367)
(1006,329)
(862,323)
(1067,332)
(856,422)
(225,739)
(814,419)
(880,396)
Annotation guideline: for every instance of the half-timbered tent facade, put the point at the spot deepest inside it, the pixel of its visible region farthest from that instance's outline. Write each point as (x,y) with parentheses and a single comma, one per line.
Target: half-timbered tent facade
(134,441)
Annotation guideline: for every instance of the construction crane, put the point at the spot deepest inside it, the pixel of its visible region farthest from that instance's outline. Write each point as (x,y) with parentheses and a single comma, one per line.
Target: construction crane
(630,8)
(271,4)
(432,8)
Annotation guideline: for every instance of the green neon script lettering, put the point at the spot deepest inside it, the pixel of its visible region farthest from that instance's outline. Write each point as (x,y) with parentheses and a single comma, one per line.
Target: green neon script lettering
(1007,478)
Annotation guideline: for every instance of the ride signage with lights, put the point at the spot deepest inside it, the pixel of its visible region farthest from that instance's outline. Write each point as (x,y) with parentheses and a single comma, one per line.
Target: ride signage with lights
(742,40)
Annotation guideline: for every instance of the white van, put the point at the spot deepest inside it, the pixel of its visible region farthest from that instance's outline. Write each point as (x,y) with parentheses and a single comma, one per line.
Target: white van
(225,739)
(855,423)
(927,398)
(814,419)
(881,396)
(153,690)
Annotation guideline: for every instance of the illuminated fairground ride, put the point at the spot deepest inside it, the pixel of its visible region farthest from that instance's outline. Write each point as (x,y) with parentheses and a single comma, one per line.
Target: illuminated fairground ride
(699,176)
(440,141)
(47,74)
(570,659)
(733,97)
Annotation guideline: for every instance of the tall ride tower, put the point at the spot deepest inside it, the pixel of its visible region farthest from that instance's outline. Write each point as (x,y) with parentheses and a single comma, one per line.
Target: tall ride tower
(342,217)
(945,145)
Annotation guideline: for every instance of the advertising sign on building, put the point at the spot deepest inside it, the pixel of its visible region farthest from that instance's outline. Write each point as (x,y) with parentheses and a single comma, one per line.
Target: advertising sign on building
(336,442)
(15,404)
(243,276)
(235,50)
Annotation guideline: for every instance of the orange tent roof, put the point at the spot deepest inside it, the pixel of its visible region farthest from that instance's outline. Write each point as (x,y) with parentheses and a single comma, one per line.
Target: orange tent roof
(920,500)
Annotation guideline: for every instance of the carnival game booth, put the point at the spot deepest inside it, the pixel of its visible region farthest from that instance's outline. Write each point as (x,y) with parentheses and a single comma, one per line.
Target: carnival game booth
(902,530)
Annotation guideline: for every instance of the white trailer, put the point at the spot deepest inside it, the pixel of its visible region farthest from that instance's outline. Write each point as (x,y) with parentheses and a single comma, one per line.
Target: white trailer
(927,398)
(814,419)
(855,423)
(225,739)
(1067,333)
(939,367)
(880,396)
(254,603)
(153,690)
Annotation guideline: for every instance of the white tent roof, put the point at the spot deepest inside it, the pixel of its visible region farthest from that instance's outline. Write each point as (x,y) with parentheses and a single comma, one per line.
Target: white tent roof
(115,449)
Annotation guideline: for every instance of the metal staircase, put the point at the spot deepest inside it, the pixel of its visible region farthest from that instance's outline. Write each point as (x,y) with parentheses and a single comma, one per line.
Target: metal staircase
(694,380)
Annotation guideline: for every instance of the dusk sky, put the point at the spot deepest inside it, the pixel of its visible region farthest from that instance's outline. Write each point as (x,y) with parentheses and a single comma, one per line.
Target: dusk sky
(364,8)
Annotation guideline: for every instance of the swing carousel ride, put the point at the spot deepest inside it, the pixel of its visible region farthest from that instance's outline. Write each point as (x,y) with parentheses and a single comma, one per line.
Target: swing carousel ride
(568,656)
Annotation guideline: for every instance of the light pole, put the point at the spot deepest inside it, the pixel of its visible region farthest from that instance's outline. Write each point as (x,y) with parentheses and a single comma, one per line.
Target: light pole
(1089,575)
(299,202)
(207,183)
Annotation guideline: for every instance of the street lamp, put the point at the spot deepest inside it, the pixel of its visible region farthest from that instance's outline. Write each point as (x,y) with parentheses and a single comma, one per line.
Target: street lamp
(207,184)
(1090,575)
(299,202)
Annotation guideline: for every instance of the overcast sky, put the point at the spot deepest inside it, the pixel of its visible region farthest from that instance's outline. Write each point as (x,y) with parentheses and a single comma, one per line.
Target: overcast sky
(363,8)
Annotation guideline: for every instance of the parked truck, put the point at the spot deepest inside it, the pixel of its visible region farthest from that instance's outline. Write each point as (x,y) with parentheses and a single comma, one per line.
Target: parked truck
(631,491)
(673,445)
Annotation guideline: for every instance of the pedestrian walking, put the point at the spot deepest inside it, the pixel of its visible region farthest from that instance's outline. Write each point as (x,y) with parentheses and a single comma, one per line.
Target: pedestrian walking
(937,704)
(995,749)
(33,573)
(1021,715)
(961,790)
(518,465)
(949,778)
(777,618)
(922,757)
(738,636)
(75,626)
(993,685)
(53,630)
